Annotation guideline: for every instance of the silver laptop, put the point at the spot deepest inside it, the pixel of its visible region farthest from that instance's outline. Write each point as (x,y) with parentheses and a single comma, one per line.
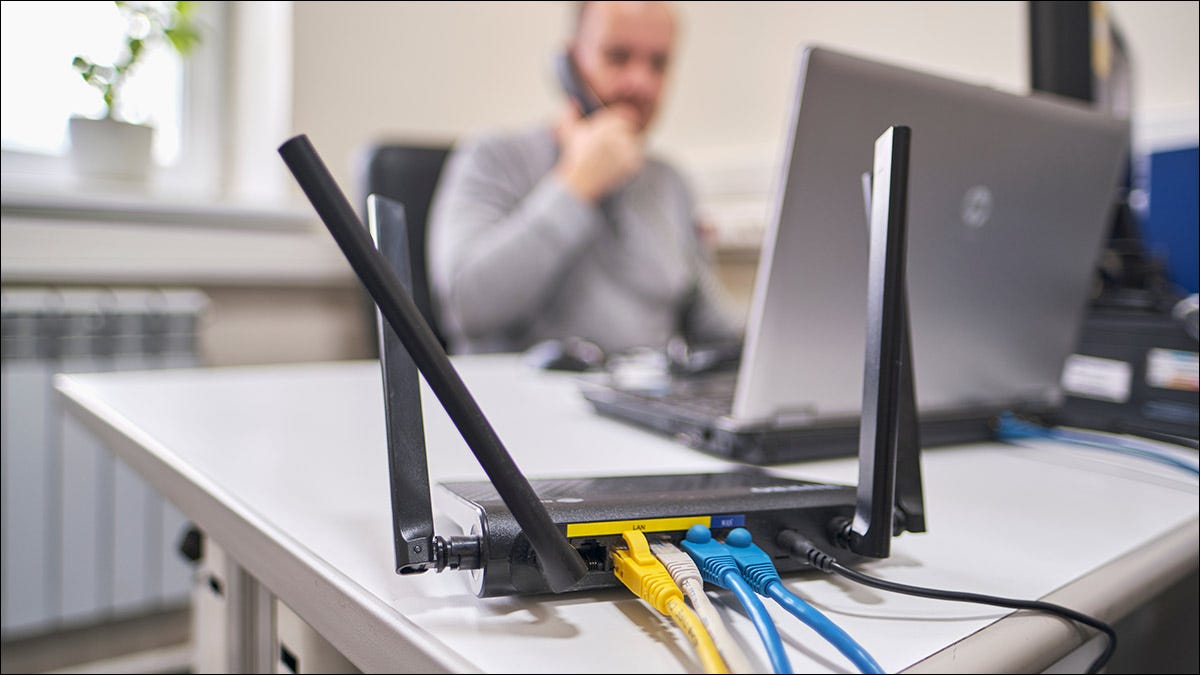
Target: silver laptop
(1009,200)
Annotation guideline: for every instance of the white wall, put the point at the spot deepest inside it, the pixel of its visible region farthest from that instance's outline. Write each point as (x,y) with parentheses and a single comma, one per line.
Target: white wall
(1162,40)
(365,71)
(737,66)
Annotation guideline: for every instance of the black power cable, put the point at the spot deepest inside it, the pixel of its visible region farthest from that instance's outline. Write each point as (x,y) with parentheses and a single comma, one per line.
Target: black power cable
(800,547)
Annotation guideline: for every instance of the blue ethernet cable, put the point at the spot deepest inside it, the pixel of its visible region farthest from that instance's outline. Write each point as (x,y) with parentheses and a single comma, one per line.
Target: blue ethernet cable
(760,572)
(718,567)
(1010,428)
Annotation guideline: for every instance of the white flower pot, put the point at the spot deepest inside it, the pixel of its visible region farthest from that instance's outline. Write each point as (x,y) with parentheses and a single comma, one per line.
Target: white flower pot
(110,150)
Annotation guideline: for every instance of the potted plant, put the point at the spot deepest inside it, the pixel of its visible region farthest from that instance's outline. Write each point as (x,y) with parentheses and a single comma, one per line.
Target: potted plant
(110,147)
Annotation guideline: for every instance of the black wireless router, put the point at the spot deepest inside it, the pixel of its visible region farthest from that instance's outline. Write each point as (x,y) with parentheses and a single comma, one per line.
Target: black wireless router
(556,535)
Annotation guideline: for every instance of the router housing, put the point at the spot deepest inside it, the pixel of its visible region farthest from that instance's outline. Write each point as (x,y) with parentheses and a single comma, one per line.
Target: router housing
(592,512)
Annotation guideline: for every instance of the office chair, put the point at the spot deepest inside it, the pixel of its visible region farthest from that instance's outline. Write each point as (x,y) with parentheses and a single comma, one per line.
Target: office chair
(409,173)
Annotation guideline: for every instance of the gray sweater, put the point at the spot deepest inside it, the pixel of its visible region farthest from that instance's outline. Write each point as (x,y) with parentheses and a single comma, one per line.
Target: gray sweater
(514,258)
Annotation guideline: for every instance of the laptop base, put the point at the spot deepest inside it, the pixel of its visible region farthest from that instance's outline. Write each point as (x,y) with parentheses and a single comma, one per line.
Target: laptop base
(781,445)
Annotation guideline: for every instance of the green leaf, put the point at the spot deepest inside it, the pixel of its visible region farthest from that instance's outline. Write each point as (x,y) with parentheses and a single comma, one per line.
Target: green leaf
(183,37)
(169,22)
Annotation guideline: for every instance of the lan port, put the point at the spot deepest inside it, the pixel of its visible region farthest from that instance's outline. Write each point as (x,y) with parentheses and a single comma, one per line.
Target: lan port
(594,554)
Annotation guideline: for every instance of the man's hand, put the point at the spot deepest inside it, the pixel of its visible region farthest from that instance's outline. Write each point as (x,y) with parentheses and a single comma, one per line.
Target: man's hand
(600,152)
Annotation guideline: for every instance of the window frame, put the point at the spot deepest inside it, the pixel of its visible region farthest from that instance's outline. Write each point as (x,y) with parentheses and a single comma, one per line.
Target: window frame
(202,131)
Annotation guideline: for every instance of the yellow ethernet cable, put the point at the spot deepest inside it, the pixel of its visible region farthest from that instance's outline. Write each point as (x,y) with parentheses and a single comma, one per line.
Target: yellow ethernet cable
(643,574)
(685,573)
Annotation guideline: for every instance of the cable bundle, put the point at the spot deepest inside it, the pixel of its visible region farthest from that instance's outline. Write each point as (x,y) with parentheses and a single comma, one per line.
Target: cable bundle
(718,567)
(754,568)
(643,574)
(685,573)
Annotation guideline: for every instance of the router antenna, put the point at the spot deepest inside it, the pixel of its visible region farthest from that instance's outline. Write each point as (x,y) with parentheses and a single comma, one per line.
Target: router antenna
(910,496)
(408,470)
(561,564)
(889,415)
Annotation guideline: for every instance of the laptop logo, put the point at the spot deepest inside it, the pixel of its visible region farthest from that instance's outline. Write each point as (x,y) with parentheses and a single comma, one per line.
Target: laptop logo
(977,207)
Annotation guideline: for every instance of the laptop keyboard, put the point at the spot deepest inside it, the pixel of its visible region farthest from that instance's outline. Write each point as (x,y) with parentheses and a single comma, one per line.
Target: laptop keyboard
(708,394)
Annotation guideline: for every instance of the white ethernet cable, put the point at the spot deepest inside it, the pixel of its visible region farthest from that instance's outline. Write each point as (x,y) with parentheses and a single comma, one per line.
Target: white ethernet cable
(685,573)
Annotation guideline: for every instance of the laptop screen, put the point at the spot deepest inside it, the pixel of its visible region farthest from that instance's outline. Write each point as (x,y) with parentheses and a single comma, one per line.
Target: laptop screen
(1009,200)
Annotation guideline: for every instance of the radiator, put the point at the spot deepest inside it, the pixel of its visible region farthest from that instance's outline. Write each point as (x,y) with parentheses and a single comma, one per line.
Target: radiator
(84,539)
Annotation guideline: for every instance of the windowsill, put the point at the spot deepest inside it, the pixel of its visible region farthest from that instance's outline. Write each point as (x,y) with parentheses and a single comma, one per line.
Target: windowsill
(126,237)
(125,204)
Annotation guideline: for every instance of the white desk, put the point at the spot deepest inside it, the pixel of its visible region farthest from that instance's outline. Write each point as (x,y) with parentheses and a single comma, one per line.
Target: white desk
(285,468)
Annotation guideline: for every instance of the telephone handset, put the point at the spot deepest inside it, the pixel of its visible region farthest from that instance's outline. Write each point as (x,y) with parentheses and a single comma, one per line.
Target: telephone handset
(573,84)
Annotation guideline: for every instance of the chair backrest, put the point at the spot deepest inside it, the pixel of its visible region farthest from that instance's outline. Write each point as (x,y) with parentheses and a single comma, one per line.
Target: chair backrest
(409,174)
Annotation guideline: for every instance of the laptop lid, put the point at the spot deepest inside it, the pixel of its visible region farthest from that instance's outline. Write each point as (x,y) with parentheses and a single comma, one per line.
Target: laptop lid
(1009,200)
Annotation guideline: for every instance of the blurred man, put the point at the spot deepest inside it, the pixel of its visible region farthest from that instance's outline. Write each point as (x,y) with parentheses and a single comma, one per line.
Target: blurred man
(570,230)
